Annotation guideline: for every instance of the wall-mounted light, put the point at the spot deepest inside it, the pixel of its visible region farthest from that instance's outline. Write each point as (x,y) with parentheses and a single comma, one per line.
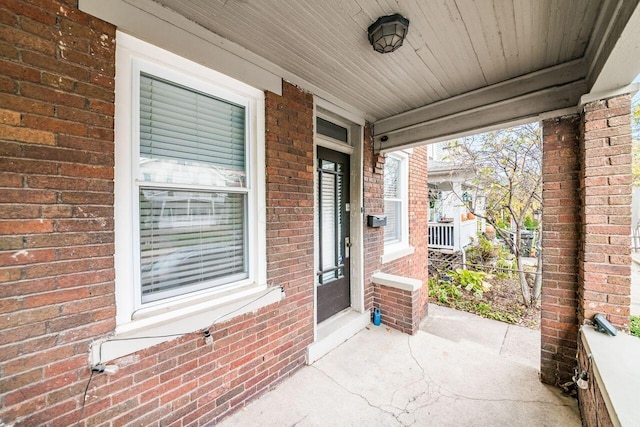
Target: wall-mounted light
(388,33)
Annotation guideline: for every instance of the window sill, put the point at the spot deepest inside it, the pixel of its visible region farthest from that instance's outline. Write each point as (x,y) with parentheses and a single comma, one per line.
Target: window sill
(395,252)
(147,332)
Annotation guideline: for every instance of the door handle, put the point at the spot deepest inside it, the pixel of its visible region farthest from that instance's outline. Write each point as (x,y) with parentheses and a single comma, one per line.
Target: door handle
(347,246)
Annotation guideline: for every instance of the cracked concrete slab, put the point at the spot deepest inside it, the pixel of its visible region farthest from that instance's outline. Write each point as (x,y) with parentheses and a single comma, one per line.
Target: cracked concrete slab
(465,328)
(512,342)
(309,398)
(383,377)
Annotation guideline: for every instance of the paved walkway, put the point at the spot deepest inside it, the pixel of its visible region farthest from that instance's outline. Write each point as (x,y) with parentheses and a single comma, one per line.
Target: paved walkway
(459,370)
(515,343)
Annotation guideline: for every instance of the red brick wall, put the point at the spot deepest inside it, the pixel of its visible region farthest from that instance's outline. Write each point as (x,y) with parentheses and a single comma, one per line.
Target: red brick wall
(606,216)
(414,265)
(56,243)
(56,205)
(195,383)
(373,177)
(399,309)
(418,265)
(560,244)
(586,228)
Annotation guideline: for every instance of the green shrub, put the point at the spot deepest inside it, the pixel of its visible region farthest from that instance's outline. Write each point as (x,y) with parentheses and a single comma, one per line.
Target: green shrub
(483,309)
(472,281)
(530,224)
(503,317)
(491,257)
(445,291)
(504,224)
(635,326)
(483,252)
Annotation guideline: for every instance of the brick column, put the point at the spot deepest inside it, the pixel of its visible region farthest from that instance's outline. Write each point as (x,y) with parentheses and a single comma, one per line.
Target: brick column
(419,228)
(605,261)
(560,244)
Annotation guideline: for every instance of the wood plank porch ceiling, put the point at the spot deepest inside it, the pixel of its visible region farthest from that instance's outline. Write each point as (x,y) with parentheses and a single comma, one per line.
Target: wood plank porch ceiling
(455,50)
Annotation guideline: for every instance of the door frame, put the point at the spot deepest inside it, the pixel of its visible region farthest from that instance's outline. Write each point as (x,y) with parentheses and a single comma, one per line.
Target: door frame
(355,127)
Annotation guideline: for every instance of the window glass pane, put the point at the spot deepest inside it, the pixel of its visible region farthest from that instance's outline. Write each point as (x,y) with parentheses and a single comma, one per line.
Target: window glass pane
(393,200)
(187,137)
(392,178)
(190,240)
(393,230)
(332,130)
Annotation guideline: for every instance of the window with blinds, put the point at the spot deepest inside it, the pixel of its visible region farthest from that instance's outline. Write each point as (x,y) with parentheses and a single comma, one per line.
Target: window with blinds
(393,200)
(192,190)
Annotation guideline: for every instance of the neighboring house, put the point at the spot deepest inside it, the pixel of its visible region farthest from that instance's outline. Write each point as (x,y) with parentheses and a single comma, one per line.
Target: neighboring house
(187,186)
(453,204)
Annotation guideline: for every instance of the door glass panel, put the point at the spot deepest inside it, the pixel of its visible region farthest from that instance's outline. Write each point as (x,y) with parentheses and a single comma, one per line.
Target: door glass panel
(329,242)
(328,166)
(339,214)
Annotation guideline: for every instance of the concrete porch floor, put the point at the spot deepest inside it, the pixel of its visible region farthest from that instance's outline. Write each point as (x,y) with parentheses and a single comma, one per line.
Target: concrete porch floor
(459,370)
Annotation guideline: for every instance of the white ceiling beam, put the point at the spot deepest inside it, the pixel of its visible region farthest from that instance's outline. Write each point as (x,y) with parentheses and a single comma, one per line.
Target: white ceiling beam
(510,112)
(618,62)
(527,84)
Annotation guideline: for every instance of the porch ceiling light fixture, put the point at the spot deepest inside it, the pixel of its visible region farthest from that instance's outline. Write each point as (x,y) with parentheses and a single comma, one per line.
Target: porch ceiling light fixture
(388,33)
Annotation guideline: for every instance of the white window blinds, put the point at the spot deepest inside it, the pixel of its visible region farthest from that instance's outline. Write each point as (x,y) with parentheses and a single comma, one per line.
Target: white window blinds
(192,190)
(393,200)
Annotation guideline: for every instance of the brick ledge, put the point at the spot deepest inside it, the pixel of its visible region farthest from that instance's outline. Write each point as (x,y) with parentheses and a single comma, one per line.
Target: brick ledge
(397,282)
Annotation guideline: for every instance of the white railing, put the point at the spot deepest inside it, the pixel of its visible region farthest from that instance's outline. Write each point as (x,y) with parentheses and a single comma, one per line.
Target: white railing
(453,236)
(442,235)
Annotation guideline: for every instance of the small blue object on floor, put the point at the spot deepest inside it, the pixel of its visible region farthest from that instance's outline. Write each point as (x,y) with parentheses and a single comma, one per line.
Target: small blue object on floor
(376,316)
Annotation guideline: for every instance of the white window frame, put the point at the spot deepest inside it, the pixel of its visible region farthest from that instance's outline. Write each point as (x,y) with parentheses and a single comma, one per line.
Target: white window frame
(396,250)
(197,310)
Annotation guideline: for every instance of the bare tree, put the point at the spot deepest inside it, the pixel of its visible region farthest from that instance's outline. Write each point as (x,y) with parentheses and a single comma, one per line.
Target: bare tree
(507,168)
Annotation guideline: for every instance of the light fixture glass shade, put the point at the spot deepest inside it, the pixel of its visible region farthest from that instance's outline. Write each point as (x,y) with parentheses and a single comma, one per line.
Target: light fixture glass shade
(388,33)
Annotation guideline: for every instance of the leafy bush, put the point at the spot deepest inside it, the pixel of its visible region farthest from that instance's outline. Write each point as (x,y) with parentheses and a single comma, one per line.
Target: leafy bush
(635,326)
(530,224)
(504,224)
(472,281)
(490,256)
(483,309)
(482,252)
(503,317)
(445,291)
